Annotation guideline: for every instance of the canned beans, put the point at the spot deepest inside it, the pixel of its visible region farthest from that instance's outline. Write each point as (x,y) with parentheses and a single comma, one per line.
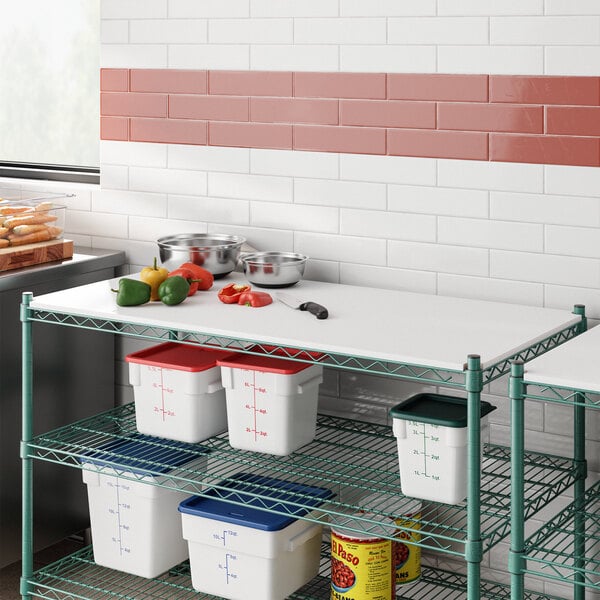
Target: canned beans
(361,567)
(400,554)
(342,576)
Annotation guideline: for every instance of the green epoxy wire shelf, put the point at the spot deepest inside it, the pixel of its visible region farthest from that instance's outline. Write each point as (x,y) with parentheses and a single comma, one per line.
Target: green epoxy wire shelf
(568,396)
(77,577)
(549,551)
(358,461)
(407,372)
(444,527)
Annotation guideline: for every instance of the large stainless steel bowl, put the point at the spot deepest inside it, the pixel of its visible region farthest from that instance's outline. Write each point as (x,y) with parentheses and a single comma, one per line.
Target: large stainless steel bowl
(273,269)
(218,253)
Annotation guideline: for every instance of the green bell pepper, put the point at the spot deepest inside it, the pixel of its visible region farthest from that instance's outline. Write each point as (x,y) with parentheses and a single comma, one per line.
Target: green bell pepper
(173,290)
(132,292)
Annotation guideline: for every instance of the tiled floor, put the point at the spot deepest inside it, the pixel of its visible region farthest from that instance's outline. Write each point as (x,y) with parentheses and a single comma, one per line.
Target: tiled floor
(10,575)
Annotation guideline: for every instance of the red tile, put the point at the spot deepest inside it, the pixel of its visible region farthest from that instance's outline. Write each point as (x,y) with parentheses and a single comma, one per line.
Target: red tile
(467,145)
(430,86)
(545,90)
(294,110)
(114,80)
(545,149)
(169,131)
(387,113)
(210,108)
(340,85)
(250,135)
(176,81)
(250,83)
(114,128)
(133,105)
(356,140)
(491,117)
(571,120)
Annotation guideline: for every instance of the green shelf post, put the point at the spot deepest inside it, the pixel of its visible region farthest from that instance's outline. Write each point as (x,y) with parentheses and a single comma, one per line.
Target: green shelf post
(26,436)
(474,545)
(579,536)
(516,394)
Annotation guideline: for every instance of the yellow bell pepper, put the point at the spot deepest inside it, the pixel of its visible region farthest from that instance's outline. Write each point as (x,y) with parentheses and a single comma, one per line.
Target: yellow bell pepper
(154,276)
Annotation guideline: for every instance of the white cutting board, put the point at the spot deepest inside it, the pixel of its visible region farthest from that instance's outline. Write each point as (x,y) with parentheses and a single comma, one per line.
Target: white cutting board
(390,325)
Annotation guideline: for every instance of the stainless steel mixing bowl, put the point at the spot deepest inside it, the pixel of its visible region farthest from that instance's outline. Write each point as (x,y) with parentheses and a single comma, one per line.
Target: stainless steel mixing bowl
(273,269)
(218,253)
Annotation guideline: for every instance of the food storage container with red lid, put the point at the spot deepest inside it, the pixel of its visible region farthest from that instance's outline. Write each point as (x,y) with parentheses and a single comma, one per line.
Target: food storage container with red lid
(178,392)
(271,402)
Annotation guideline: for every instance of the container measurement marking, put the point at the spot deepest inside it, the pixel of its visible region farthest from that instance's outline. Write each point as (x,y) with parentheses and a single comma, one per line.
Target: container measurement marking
(256,391)
(118,513)
(224,534)
(429,457)
(162,409)
(227,568)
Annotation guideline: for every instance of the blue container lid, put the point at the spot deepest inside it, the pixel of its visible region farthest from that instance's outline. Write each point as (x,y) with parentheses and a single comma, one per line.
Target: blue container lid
(252,511)
(144,454)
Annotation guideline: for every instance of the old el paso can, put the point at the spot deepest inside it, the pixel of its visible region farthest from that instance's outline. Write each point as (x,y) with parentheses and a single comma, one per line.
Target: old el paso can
(361,567)
(407,553)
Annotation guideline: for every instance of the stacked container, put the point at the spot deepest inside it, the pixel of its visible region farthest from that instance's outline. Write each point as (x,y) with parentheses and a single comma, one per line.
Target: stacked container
(431,433)
(238,550)
(135,526)
(178,392)
(271,402)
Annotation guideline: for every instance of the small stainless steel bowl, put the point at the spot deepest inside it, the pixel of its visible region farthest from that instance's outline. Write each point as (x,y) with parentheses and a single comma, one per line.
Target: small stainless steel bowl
(273,269)
(218,253)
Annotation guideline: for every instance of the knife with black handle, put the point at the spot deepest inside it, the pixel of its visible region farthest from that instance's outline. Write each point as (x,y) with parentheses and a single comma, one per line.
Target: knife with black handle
(312,307)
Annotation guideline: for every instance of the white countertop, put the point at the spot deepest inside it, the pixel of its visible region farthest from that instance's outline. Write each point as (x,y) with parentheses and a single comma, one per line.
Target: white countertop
(575,365)
(404,327)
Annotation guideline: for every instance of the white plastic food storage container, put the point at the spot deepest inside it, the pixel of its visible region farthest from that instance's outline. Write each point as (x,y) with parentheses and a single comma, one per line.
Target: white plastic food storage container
(240,551)
(271,402)
(178,392)
(431,433)
(135,526)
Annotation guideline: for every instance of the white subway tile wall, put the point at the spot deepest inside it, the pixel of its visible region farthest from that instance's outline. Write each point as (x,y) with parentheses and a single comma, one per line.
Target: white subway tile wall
(522,233)
(499,60)
(500,231)
(452,36)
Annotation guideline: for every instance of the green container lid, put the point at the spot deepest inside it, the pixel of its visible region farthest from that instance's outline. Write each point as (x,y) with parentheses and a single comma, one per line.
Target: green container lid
(437,409)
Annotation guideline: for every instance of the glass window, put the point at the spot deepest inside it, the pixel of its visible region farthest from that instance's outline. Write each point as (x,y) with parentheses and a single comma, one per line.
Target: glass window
(49,85)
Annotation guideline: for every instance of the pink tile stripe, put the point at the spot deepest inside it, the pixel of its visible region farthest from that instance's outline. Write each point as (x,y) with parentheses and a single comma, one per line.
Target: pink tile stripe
(530,119)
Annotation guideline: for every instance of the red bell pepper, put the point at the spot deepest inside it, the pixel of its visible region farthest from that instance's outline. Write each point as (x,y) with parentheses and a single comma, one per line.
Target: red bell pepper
(205,277)
(189,276)
(255,299)
(231,293)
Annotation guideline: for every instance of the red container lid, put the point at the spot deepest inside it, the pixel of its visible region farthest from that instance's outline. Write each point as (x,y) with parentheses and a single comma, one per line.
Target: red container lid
(183,357)
(260,362)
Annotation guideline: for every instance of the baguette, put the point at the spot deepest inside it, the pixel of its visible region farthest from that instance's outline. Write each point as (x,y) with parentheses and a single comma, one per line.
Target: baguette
(39,236)
(15,209)
(35,219)
(4,243)
(26,229)
(3,231)
(43,206)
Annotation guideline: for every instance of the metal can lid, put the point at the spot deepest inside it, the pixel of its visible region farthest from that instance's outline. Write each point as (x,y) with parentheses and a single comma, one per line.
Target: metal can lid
(378,517)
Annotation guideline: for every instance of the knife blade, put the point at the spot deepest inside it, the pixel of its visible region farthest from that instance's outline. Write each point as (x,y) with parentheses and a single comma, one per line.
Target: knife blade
(312,307)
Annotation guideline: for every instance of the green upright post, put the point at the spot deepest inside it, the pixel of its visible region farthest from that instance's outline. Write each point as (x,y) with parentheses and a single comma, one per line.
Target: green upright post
(579,487)
(516,394)
(473,550)
(26,436)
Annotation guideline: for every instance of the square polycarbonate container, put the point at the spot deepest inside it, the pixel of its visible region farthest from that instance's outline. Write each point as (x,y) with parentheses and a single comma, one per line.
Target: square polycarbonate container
(271,402)
(135,525)
(238,550)
(178,392)
(431,434)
